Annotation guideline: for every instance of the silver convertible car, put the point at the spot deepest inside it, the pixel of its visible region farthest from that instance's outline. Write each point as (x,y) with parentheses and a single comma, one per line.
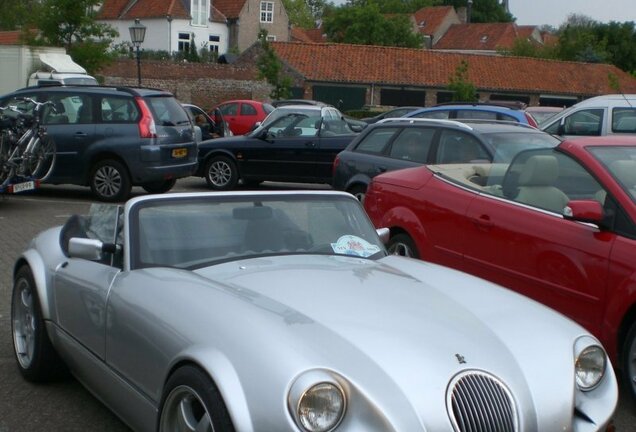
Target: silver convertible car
(282,311)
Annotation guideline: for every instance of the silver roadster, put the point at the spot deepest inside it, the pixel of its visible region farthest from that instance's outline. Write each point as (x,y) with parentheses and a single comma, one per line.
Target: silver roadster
(282,311)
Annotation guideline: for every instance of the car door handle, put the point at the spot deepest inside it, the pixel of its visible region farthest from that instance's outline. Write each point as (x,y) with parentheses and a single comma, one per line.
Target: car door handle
(310,144)
(483,222)
(80,135)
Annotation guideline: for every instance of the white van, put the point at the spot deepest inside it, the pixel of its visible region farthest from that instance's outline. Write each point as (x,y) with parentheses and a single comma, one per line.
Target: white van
(64,78)
(601,115)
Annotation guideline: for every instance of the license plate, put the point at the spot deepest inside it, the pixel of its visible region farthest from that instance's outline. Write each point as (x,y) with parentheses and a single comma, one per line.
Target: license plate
(179,152)
(22,187)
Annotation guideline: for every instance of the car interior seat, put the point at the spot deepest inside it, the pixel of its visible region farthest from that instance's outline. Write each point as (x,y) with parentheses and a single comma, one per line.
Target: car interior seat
(536,184)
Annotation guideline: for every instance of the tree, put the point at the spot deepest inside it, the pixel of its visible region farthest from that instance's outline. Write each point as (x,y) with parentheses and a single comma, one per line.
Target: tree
(463,90)
(71,24)
(483,11)
(578,41)
(270,68)
(17,14)
(395,6)
(366,25)
(300,14)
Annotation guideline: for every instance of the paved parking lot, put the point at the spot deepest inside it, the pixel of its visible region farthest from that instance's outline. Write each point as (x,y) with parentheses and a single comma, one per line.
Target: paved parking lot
(66,406)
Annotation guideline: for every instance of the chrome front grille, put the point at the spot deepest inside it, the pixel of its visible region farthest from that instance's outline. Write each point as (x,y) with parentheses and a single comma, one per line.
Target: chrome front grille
(479,402)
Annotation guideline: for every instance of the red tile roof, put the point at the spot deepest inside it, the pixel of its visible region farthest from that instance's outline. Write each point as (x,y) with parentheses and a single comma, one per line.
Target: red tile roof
(229,8)
(316,35)
(343,63)
(487,36)
(429,19)
(10,37)
(131,9)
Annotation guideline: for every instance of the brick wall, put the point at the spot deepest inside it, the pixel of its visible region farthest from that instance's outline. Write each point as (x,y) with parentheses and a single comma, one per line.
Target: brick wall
(204,85)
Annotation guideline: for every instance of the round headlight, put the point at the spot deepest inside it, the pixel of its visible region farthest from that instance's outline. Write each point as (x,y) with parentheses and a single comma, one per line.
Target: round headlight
(590,367)
(321,408)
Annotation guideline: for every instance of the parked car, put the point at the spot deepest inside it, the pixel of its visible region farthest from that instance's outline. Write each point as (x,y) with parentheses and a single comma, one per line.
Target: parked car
(355,124)
(480,111)
(543,113)
(555,224)
(282,311)
(393,144)
(601,115)
(295,143)
(209,128)
(242,115)
(395,112)
(113,138)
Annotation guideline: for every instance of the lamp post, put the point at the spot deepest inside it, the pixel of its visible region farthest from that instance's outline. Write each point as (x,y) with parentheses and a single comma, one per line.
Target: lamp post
(469,11)
(137,35)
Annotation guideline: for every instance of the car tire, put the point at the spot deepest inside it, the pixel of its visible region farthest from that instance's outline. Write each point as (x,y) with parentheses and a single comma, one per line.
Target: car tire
(221,173)
(403,245)
(110,181)
(628,363)
(159,187)
(358,191)
(190,401)
(37,359)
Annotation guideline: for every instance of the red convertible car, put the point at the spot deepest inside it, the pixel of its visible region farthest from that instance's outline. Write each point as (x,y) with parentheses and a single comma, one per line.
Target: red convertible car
(557,224)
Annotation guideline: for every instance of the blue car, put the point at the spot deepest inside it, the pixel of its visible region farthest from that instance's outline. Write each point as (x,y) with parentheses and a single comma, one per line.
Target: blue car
(476,111)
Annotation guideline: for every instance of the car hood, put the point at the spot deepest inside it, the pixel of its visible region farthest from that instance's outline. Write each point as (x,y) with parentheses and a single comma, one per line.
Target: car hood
(400,326)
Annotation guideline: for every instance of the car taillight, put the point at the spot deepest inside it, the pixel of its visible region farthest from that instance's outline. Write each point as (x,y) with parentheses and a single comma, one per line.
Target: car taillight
(147,127)
(531,120)
(336,162)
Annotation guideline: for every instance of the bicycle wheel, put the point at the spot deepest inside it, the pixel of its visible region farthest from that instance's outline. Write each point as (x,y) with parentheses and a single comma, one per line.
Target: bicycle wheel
(39,164)
(7,169)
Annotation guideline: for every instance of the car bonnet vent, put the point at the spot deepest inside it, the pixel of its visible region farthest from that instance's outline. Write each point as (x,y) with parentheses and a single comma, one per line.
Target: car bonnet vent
(479,402)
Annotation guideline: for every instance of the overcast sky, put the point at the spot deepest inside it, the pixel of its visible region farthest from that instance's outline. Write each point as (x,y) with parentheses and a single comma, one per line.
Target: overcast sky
(555,12)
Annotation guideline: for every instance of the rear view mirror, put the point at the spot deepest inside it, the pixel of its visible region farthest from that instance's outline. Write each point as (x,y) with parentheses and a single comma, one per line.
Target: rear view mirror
(590,211)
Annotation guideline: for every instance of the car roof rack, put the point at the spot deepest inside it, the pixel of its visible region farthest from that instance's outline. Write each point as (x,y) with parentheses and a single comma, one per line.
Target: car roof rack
(494,121)
(415,120)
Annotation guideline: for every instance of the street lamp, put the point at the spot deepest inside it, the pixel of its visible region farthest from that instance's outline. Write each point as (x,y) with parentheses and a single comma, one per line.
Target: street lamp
(469,11)
(137,35)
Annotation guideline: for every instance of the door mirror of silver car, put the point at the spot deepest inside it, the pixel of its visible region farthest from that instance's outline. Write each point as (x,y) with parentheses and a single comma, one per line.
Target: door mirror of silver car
(384,234)
(89,249)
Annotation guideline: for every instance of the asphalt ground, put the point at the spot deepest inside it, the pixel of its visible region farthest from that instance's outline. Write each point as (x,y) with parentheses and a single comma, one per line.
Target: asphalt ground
(67,406)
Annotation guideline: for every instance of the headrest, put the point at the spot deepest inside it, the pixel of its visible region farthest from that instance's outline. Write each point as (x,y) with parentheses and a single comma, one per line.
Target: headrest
(539,170)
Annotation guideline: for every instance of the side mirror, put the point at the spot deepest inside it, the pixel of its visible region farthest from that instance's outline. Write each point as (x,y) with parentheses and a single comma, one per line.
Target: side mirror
(590,211)
(384,234)
(89,249)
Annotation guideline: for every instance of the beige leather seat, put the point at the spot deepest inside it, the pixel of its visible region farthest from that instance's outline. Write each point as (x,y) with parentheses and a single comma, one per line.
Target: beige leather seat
(536,184)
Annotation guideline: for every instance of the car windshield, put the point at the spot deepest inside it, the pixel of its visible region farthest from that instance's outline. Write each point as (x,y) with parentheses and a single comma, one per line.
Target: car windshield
(192,232)
(620,161)
(505,145)
(308,111)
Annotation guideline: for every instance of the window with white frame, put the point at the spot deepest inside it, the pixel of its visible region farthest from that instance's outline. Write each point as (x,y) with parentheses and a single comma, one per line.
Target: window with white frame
(185,41)
(271,38)
(214,41)
(199,10)
(267,12)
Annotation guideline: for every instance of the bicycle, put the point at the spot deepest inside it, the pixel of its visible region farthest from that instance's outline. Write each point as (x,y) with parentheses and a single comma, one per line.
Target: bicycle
(26,151)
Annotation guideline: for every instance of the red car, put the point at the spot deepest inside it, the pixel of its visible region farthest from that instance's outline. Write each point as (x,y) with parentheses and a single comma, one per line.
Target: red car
(242,115)
(557,225)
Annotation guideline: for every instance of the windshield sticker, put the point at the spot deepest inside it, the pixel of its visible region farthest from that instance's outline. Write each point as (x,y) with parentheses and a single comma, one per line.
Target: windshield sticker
(353,245)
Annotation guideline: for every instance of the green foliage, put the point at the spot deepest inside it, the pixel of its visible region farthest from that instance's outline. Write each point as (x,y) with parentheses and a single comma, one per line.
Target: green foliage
(524,48)
(366,25)
(463,90)
(395,6)
(92,55)
(17,14)
(300,15)
(484,11)
(270,68)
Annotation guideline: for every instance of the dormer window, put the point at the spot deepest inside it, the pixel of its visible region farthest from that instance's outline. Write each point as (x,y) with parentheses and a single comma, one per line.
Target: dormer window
(484,39)
(267,12)
(199,10)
